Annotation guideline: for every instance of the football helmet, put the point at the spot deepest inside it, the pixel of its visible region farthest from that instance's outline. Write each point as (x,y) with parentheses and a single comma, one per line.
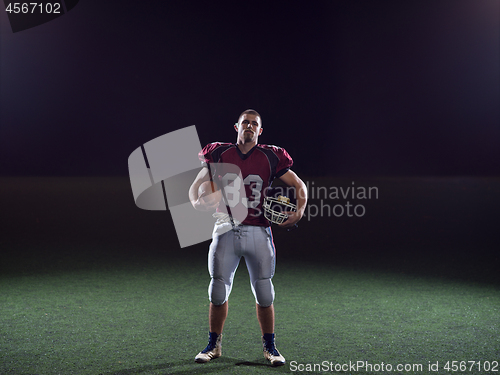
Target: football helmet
(275,206)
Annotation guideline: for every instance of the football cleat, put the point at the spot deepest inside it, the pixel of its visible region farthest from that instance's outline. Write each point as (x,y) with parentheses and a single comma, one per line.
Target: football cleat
(213,349)
(272,354)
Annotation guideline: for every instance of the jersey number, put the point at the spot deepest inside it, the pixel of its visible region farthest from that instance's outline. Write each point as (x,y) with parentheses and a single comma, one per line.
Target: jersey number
(233,190)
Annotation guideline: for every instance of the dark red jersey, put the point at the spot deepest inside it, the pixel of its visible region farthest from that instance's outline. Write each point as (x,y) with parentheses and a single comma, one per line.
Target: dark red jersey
(259,167)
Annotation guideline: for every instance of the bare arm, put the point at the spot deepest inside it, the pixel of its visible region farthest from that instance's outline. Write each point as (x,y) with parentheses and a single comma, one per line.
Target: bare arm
(291,179)
(197,202)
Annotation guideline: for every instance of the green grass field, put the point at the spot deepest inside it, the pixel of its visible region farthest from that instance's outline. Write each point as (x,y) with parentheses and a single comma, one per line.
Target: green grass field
(149,318)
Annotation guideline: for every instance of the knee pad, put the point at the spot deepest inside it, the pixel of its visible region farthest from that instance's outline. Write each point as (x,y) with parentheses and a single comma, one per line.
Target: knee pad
(263,290)
(218,291)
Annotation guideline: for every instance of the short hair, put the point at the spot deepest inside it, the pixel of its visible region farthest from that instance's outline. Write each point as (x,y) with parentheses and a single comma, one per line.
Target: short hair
(250,112)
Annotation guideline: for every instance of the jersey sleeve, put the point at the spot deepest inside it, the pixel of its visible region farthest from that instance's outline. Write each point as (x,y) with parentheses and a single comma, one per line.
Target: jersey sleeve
(284,161)
(205,155)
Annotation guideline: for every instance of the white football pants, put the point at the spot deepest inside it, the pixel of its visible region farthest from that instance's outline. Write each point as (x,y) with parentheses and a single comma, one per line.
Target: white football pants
(255,244)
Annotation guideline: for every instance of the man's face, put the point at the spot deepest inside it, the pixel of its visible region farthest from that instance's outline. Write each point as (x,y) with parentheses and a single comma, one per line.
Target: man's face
(248,128)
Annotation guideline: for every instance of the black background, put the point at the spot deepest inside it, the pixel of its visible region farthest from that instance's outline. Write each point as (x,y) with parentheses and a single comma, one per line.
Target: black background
(347,87)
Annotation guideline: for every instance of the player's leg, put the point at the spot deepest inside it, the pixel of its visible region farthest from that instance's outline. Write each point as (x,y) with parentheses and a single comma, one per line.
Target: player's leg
(265,316)
(222,264)
(260,259)
(259,256)
(217,315)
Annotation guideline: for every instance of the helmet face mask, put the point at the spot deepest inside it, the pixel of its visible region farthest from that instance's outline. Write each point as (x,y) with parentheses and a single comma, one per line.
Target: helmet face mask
(275,208)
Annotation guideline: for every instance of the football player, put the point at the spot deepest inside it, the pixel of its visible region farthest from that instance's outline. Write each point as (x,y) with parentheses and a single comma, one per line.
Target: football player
(259,165)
